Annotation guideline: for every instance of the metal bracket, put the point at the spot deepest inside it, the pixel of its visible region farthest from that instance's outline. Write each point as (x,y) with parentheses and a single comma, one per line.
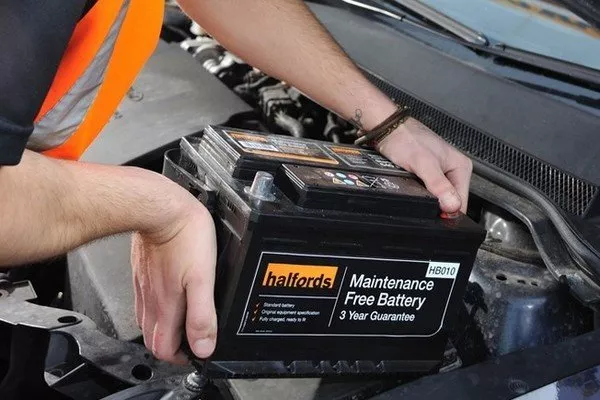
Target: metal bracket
(126,361)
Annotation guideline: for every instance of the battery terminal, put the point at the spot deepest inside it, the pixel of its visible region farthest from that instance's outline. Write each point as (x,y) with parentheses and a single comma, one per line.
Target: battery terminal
(262,187)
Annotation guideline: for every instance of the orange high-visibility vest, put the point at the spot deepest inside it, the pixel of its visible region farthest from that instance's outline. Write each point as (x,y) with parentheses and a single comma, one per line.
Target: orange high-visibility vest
(107,50)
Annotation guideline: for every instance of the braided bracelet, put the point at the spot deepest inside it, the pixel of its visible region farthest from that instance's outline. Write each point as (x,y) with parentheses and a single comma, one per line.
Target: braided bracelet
(375,135)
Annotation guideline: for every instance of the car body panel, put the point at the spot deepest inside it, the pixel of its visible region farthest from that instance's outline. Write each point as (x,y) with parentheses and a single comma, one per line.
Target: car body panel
(538,26)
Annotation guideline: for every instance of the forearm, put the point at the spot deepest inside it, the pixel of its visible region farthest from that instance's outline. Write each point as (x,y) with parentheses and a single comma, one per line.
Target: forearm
(48,207)
(285,40)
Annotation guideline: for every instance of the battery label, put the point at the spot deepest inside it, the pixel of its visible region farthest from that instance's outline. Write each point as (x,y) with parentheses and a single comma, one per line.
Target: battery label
(318,295)
(257,146)
(361,158)
(281,147)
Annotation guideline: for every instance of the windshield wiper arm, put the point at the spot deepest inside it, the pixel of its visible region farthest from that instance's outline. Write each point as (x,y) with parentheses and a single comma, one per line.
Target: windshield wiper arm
(456,28)
(451,25)
(565,68)
(474,39)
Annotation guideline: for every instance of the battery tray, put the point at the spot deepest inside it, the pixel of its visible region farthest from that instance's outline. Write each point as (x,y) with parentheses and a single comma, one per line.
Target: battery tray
(332,261)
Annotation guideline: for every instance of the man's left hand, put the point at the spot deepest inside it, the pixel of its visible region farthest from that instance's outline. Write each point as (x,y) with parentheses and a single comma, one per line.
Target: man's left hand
(445,171)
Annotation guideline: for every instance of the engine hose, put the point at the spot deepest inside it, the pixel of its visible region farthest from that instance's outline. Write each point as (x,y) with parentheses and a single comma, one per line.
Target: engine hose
(289,124)
(247,87)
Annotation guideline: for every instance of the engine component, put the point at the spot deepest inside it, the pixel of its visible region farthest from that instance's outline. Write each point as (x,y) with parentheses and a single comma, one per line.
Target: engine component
(513,301)
(33,328)
(203,49)
(283,108)
(176,24)
(337,129)
(275,101)
(289,124)
(509,237)
(171,80)
(253,81)
(517,305)
(298,263)
(215,59)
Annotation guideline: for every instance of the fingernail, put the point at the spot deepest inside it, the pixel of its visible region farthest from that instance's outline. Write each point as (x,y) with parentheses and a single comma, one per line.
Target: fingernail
(203,348)
(449,201)
(446,215)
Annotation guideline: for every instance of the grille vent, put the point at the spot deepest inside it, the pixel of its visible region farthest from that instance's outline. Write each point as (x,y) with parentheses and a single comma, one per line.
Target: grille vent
(568,192)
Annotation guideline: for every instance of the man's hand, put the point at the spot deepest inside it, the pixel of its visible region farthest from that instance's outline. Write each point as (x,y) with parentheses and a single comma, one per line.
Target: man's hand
(445,171)
(174,273)
(60,205)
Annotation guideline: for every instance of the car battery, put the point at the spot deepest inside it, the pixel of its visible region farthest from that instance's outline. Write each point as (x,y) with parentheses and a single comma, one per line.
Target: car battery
(242,153)
(332,261)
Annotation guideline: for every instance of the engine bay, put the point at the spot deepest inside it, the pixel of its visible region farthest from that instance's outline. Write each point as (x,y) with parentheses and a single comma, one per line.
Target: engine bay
(519,297)
(509,270)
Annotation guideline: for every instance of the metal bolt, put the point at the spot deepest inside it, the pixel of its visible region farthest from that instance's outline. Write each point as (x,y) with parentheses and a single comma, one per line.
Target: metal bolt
(262,187)
(195,382)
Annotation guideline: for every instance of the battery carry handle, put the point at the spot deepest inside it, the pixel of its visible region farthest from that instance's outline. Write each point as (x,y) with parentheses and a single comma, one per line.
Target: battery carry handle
(180,170)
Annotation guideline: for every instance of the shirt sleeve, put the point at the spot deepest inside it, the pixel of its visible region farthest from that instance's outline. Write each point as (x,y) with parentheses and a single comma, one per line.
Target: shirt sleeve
(33,37)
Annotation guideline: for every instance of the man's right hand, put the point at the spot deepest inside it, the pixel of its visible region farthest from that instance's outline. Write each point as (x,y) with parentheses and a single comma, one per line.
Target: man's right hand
(60,205)
(174,273)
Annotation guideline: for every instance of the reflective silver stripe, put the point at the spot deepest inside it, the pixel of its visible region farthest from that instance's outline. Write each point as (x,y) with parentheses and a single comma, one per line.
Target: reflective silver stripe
(60,122)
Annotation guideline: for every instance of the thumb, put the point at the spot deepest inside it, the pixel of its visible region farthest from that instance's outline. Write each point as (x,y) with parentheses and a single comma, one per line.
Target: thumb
(201,319)
(438,184)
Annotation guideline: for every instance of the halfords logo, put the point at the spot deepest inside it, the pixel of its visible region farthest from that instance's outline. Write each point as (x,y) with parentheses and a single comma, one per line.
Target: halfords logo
(300,276)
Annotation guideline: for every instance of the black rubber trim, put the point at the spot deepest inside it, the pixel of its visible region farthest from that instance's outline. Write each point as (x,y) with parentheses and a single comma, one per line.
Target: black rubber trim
(583,253)
(551,246)
(576,198)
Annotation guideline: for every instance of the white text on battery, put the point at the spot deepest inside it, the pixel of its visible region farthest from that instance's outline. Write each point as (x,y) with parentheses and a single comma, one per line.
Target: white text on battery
(374,282)
(384,299)
(377,316)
